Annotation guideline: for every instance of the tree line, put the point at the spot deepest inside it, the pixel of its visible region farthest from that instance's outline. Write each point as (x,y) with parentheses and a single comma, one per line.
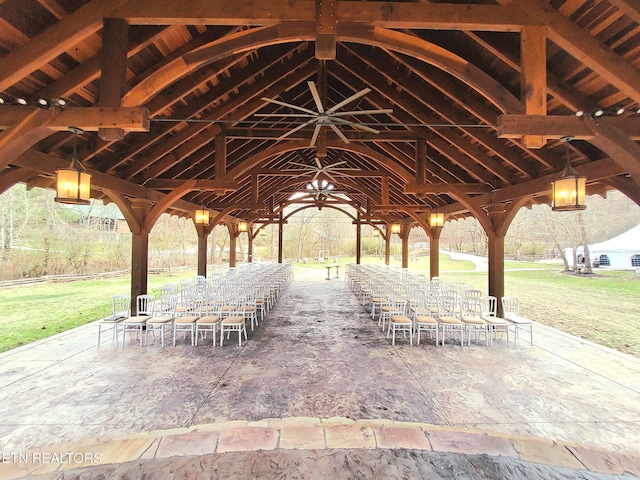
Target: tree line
(41,237)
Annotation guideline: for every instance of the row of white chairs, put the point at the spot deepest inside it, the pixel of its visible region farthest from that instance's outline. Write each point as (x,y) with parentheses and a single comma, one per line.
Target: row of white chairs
(407,303)
(201,307)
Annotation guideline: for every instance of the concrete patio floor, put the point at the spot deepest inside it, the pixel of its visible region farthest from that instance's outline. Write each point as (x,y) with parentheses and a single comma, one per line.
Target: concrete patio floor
(317,364)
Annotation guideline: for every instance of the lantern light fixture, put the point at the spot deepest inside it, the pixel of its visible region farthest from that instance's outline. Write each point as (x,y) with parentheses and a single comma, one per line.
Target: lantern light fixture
(436,219)
(376,232)
(73,184)
(243,227)
(568,190)
(396,228)
(201,216)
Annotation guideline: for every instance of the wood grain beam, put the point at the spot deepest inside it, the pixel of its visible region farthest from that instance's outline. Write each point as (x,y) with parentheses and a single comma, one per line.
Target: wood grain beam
(273,172)
(533,85)
(583,46)
(202,185)
(114,71)
(87,118)
(437,188)
(557,126)
(54,41)
(89,70)
(305,134)
(326,26)
(395,15)
(9,177)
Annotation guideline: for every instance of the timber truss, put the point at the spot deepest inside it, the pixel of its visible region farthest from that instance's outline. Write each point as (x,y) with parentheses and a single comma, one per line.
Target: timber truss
(474,98)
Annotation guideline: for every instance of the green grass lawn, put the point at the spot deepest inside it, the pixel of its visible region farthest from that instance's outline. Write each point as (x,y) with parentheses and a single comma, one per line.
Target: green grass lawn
(603,307)
(31,312)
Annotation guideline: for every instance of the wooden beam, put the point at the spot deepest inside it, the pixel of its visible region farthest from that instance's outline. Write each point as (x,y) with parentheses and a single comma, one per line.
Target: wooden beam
(305,134)
(421,162)
(54,41)
(28,129)
(617,145)
(87,118)
(276,172)
(113,80)
(226,185)
(326,21)
(581,45)
(88,71)
(396,15)
(533,85)
(9,177)
(557,126)
(221,158)
(385,191)
(436,188)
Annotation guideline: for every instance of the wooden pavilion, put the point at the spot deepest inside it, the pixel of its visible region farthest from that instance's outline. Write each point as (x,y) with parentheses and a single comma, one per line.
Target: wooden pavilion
(398,108)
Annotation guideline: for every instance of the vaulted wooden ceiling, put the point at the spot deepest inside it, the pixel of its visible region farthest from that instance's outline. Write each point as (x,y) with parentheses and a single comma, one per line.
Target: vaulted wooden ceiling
(171,96)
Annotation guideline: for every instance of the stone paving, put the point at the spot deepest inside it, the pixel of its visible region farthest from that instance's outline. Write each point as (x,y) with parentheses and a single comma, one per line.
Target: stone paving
(319,376)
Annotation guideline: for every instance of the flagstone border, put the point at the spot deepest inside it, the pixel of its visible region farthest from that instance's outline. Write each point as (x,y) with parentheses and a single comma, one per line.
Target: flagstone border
(308,433)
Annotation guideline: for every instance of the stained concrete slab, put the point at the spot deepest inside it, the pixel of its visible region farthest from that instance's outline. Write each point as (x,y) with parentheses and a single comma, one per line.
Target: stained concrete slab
(318,354)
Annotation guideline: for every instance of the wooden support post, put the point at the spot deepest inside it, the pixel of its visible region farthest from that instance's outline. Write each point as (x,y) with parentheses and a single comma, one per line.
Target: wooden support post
(139,251)
(387,246)
(434,252)
(233,235)
(496,267)
(114,71)
(404,236)
(202,253)
(280,236)
(203,237)
(533,84)
(250,245)
(139,266)
(358,239)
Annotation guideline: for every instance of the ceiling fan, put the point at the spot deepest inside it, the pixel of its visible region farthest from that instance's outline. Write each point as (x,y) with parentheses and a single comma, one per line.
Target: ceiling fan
(321,190)
(330,117)
(329,171)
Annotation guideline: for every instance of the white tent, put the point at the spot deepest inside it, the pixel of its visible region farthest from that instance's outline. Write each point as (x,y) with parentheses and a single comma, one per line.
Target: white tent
(622,251)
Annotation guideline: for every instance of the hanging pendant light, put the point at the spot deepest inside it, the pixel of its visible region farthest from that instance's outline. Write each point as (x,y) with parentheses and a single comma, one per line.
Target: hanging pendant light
(243,226)
(436,219)
(396,228)
(73,184)
(201,216)
(568,190)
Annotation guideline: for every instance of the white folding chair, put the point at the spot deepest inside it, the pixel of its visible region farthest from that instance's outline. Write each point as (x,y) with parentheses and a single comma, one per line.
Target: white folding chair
(144,309)
(120,309)
(511,311)
(163,317)
(233,319)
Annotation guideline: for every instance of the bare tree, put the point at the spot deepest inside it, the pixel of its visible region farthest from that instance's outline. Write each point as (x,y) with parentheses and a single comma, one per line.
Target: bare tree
(585,243)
